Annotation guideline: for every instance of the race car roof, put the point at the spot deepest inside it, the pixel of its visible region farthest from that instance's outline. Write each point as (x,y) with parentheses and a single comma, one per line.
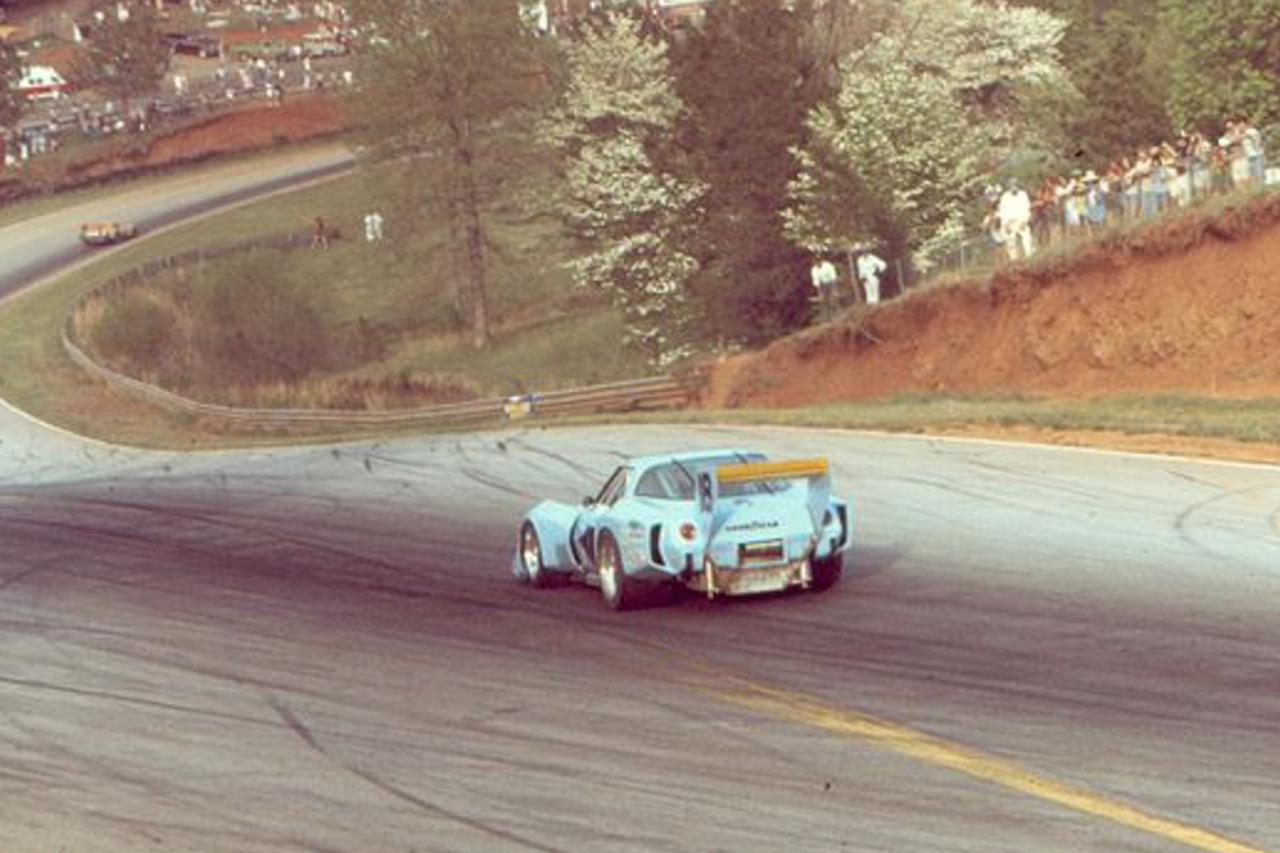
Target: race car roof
(642,462)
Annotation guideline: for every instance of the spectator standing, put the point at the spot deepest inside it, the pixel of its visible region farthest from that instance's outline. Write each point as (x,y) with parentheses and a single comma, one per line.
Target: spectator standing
(1095,200)
(995,231)
(1161,174)
(1015,221)
(320,234)
(870,267)
(1045,216)
(1199,165)
(823,276)
(1140,175)
(1252,147)
(1232,143)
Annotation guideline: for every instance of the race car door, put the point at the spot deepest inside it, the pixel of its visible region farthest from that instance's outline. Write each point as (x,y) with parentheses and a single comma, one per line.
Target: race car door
(588,523)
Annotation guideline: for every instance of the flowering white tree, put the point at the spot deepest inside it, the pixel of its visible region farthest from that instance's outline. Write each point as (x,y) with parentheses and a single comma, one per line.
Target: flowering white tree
(992,56)
(618,110)
(894,159)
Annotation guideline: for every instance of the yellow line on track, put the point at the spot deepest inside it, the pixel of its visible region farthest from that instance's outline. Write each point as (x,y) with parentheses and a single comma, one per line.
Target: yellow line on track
(810,711)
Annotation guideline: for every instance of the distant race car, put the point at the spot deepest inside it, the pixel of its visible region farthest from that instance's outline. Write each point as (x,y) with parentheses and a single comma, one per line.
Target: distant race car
(719,522)
(106,233)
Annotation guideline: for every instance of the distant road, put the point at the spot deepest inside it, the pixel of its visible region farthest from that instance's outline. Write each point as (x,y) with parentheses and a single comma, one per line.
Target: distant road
(43,244)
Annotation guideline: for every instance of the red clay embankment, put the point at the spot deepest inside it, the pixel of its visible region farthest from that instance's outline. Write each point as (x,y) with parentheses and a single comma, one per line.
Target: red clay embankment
(1189,306)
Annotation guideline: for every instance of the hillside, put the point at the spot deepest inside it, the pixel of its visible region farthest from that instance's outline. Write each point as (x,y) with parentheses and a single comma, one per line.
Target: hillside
(1191,305)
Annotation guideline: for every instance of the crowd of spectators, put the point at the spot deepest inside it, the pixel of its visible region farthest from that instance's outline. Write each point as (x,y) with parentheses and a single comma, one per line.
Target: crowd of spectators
(1150,182)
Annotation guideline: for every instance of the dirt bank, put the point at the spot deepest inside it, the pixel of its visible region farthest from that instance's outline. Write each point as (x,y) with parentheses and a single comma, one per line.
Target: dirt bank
(246,129)
(1189,306)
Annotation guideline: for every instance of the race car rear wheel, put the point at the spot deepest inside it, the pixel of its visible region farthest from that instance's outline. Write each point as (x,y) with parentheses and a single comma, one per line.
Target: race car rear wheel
(531,556)
(618,590)
(826,572)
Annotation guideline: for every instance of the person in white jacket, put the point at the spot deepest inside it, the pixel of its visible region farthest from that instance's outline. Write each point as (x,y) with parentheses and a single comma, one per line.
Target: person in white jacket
(870,267)
(1014,212)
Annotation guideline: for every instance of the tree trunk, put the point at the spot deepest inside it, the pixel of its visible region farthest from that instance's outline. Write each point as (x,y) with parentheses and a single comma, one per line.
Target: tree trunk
(476,272)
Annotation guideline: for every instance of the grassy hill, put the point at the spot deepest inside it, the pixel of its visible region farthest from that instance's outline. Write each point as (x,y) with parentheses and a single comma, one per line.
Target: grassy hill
(366,324)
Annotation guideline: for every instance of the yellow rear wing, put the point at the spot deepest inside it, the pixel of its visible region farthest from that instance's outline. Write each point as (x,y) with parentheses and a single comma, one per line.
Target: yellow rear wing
(815,472)
(756,472)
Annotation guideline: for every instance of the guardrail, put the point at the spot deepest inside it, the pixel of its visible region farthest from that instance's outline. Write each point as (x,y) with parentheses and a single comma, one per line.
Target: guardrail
(632,395)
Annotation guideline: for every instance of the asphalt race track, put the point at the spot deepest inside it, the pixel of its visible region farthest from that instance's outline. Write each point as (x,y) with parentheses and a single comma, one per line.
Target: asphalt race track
(322,649)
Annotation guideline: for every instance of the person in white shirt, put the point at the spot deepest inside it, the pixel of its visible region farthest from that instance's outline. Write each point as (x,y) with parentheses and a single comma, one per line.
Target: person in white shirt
(870,267)
(1015,218)
(824,276)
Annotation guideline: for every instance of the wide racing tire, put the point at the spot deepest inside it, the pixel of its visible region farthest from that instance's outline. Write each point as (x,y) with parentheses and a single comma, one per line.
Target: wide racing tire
(618,591)
(531,557)
(826,572)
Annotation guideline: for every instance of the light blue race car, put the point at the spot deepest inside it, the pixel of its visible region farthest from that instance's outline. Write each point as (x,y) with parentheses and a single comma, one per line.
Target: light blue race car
(719,522)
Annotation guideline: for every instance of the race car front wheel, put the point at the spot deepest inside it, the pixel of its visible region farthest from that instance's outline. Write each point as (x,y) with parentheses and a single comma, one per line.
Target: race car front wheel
(531,556)
(618,590)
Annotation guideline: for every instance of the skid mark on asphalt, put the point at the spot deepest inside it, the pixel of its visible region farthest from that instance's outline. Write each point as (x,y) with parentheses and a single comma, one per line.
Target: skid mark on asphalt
(1182,524)
(813,712)
(304,733)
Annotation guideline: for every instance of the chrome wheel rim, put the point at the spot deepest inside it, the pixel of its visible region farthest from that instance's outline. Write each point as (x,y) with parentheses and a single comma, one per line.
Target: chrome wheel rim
(530,552)
(608,574)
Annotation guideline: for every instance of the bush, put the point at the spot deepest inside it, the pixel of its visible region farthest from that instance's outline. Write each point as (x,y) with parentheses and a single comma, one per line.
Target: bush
(256,323)
(138,333)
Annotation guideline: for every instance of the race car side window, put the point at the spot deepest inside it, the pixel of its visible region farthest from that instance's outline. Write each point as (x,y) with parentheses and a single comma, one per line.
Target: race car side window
(665,482)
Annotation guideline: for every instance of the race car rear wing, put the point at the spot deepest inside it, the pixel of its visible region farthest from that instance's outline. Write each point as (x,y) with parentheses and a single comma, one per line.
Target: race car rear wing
(817,473)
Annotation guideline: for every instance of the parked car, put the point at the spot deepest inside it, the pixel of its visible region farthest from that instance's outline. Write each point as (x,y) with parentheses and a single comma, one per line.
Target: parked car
(266,49)
(205,47)
(320,45)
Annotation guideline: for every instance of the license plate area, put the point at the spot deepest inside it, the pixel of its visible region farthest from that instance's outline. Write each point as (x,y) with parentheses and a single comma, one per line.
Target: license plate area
(769,552)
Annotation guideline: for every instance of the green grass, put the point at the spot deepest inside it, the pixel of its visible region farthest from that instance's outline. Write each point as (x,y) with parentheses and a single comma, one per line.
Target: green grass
(1252,420)
(566,352)
(545,335)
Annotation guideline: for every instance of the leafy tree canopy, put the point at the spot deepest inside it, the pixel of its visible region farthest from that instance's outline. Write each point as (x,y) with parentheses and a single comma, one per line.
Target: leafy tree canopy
(125,58)
(12,102)
(613,124)
(894,161)
(747,78)
(1224,59)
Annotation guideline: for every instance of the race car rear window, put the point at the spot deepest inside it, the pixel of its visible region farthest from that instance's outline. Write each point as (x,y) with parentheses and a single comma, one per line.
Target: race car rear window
(673,482)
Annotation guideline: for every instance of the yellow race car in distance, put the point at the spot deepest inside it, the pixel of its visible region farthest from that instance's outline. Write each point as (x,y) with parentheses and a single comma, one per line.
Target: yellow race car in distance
(107,233)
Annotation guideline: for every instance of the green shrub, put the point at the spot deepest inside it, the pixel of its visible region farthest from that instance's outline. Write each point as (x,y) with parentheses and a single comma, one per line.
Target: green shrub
(256,323)
(139,332)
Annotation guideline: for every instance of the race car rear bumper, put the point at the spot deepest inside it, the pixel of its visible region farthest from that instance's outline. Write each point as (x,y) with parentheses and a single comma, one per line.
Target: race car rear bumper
(714,581)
